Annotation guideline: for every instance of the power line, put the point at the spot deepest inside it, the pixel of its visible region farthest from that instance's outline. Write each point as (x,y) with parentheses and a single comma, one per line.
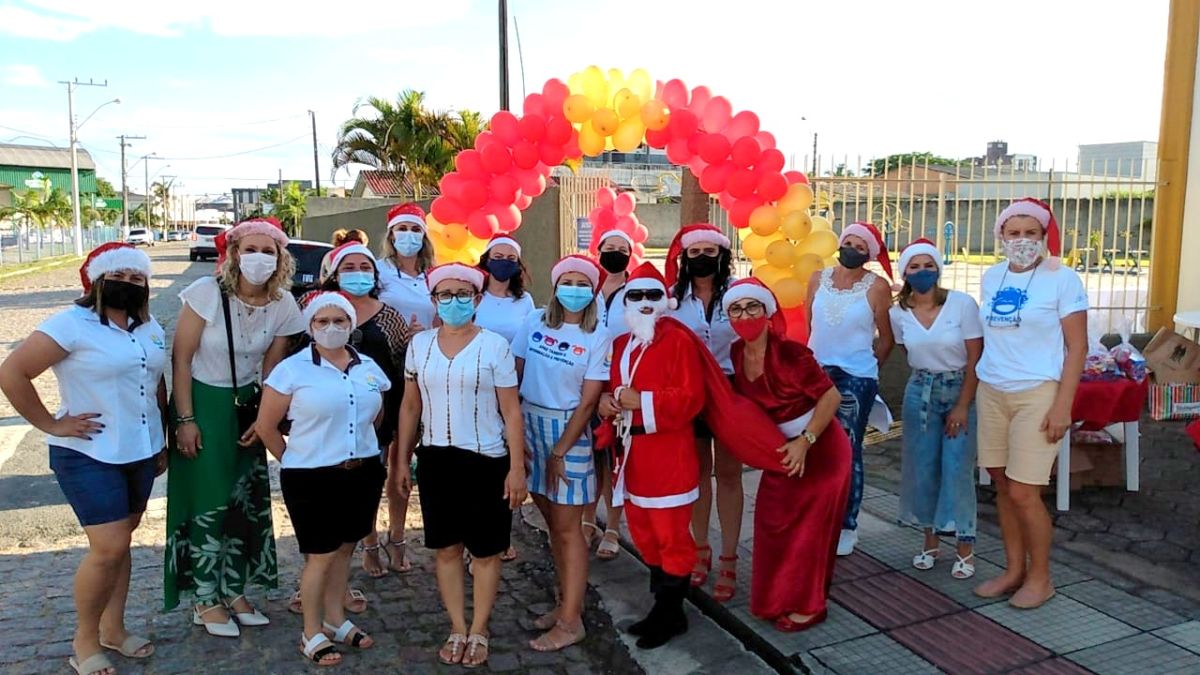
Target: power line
(224,124)
(238,154)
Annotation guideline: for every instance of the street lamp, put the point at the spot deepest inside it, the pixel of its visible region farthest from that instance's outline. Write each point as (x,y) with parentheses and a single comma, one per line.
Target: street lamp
(78,228)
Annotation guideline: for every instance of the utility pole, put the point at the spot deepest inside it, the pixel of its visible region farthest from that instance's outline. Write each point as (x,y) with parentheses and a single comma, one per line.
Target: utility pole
(167,185)
(124,184)
(814,168)
(504,54)
(78,228)
(316,164)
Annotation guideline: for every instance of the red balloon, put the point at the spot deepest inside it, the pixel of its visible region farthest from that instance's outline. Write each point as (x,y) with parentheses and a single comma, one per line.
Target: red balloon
(675,94)
(797,323)
(745,152)
(739,215)
(504,187)
(495,158)
(713,147)
(626,224)
(741,184)
(572,149)
(551,155)
(473,194)
(658,139)
(484,139)
(452,183)
(697,165)
(765,139)
(531,181)
(555,92)
(605,197)
(558,131)
(448,210)
(522,201)
(744,123)
(482,225)
(505,128)
(726,200)
(699,101)
(469,164)
(623,205)
(677,151)
(640,234)
(508,218)
(526,155)
(535,104)
(772,186)
(533,127)
(684,124)
(771,160)
(715,177)
(794,177)
(604,220)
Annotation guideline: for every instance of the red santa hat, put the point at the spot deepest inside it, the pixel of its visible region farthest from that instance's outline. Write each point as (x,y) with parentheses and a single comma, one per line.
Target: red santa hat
(576,263)
(1039,211)
(615,233)
(408,212)
(458,272)
(870,234)
(688,236)
(752,288)
(646,277)
(499,239)
(328,299)
(340,253)
(916,248)
(112,257)
(268,226)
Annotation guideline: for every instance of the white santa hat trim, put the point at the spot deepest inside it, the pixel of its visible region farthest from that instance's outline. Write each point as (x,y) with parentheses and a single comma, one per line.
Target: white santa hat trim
(1022,208)
(859,230)
(457,272)
(704,236)
(496,241)
(915,249)
(120,259)
(574,263)
(406,218)
(350,249)
(749,291)
(619,234)
(328,299)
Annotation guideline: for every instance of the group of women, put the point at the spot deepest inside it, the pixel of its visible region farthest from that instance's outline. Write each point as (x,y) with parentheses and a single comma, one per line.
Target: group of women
(498,402)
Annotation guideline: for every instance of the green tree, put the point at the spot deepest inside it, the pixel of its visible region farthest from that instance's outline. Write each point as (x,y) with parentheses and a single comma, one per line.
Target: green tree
(879,166)
(289,205)
(105,188)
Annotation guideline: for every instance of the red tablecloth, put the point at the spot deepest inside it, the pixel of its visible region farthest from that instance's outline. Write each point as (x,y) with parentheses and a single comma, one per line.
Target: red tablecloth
(1099,404)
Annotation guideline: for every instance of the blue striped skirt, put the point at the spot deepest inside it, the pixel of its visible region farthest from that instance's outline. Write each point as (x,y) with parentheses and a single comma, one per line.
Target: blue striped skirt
(543,428)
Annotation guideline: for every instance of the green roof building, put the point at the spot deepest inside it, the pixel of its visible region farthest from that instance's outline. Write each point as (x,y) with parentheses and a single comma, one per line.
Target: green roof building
(24,167)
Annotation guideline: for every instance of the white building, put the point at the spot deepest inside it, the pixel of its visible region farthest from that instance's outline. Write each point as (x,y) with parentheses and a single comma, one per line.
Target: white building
(1132,159)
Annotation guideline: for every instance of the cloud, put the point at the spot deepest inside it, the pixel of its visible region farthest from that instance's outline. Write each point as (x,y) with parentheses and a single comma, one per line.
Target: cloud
(22,75)
(27,23)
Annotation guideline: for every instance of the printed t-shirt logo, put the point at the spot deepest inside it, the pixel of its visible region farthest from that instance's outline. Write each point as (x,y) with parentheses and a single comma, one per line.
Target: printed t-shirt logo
(372,383)
(158,341)
(1006,305)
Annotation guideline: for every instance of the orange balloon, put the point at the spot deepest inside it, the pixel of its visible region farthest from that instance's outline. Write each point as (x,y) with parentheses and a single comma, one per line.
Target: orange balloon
(578,108)
(799,197)
(755,246)
(629,134)
(764,220)
(796,225)
(456,236)
(821,224)
(781,254)
(655,115)
(605,121)
(790,291)
(806,264)
(590,142)
(770,274)
(627,104)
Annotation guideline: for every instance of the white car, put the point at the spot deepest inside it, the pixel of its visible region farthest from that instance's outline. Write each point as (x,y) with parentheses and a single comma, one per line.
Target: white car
(203,242)
(140,236)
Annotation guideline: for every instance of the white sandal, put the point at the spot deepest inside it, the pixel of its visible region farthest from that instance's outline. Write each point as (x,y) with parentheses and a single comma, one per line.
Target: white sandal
(316,648)
(594,533)
(341,634)
(228,629)
(926,559)
(609,546)
(253,618)
(962,568)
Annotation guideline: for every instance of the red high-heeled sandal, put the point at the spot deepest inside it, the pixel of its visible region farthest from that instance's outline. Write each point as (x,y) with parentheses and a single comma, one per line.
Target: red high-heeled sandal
(786,625)
(701,576)
(725,592)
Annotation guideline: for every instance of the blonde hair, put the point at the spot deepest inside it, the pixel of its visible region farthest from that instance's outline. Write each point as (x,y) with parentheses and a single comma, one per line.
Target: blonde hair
(339,237)
(424,256)
(556,315)
(229,273)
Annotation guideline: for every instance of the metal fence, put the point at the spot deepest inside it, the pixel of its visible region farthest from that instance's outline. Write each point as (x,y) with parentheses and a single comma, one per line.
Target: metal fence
(19,245)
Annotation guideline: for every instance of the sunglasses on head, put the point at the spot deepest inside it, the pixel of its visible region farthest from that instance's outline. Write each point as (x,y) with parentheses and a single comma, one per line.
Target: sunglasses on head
(653,295)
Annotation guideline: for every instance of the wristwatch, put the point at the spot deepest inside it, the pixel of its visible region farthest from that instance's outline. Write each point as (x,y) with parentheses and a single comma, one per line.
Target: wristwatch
(808,436)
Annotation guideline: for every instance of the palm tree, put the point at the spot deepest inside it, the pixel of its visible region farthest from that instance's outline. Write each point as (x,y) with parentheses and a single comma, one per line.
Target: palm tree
(288,205)
(161,198)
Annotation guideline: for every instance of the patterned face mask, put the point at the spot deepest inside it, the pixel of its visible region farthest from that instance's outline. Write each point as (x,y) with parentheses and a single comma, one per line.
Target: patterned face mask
(1022,252)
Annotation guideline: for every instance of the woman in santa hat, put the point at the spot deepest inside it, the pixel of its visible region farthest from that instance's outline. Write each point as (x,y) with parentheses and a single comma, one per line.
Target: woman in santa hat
(847,308)
(472,475)
(798,515)
(562,359)
(1034,313)
(942,336)
(407,255)
(106,441)
(340,238)
(699,269)
(218,490)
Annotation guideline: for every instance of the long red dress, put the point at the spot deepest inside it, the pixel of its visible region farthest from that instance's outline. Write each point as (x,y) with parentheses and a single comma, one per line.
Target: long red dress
(796,520)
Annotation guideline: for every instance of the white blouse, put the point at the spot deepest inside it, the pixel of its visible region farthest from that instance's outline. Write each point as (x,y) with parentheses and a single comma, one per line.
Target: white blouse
(407,295)
(717,333)
(611,313)
(254,328)
(503,315)
(459,407)
(114,373)
(941,347)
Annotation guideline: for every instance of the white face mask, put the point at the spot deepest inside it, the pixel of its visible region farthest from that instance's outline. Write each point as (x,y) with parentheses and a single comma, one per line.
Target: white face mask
(1022,252)
(331,336)
(257,267)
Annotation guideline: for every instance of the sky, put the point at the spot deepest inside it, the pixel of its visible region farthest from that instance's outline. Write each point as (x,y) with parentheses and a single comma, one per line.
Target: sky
(221,89)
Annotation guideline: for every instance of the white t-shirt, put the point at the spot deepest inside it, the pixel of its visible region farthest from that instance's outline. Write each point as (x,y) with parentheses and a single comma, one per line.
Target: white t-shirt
(407,295)
(558,360)
(459,407)
(503,315)
(611,313)
(114,373)
(718,333)
(253,330)
(941,347)
(332,412)
(1022,317)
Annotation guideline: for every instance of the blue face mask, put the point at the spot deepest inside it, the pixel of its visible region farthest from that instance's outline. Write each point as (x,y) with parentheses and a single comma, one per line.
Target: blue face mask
(356,283)
(503,269)
(456,312)
(574,298)
(408,243)
(923,280)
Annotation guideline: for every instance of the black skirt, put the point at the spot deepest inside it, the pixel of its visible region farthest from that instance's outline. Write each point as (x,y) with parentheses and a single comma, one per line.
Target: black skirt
(462,500)
(332,506)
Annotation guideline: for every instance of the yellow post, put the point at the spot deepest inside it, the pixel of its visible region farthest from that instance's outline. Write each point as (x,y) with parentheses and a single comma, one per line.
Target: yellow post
(1174,137)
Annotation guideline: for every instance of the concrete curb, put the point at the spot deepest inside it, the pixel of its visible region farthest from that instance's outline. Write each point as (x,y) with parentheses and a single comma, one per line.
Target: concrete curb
(58,261)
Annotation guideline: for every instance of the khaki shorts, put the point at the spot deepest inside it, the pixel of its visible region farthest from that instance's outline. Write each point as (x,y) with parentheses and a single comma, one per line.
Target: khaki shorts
(1010,433)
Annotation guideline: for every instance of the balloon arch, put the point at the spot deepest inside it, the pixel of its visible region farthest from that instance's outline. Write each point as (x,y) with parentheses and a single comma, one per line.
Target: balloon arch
(594,111)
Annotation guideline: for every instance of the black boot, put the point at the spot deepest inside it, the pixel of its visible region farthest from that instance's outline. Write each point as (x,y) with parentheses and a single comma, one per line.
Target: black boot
(639,628)
(670,619)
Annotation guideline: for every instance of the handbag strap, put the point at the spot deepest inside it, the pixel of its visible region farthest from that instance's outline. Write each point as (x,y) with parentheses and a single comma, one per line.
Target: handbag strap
(229,342)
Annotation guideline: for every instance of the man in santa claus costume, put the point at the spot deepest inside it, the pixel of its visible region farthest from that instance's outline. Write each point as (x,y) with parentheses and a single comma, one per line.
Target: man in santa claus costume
(656,391)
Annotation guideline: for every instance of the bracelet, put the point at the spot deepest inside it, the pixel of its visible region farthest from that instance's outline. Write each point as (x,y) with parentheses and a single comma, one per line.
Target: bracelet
(558,456)
(184,419)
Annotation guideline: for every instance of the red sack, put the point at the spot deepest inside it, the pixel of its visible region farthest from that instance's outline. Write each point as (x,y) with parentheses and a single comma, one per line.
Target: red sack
(1193,430)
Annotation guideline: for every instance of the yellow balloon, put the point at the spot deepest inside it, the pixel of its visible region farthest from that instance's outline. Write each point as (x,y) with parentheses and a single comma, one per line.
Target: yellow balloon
(755,246)
(781,254)
(790,292)
(742,233)
(578,108)
(821,243)
(831,261)
(595,86)
(616,81)
(755,264)
(806,264)
(456,236)
(575,83)
(627,104)
(798,198)
(655,115)
(639,83)
(605,121)
(764,220)
(629,134)
(590,142)
(796,225)
(821,224)
(770,274)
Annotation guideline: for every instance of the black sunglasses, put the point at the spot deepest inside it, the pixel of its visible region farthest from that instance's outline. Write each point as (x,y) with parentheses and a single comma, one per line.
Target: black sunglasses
(653,295)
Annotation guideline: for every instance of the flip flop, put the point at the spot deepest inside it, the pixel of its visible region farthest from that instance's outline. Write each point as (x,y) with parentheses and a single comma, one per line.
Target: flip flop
(131,646)
(96,663)
(475,642)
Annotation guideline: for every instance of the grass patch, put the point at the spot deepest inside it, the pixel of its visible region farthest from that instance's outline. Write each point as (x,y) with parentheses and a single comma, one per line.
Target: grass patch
(47,263)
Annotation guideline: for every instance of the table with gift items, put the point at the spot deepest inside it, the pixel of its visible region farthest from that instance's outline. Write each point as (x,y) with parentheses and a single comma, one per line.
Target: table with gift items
(1112,393)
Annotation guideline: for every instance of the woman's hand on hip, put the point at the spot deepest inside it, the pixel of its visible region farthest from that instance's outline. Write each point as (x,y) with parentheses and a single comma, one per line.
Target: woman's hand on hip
(956,421)
(515,490)
(1056,423)
(76,426)
(187,438)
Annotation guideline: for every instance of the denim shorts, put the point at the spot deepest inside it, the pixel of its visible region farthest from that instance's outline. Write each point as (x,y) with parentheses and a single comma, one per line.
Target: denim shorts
(98,492)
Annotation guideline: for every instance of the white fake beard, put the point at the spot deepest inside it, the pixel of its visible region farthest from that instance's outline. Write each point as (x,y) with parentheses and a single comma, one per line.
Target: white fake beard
(642,325)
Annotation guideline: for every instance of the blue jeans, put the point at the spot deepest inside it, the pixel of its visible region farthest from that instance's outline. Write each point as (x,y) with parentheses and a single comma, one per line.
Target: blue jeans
(858,395)
(937,485)
(99,492)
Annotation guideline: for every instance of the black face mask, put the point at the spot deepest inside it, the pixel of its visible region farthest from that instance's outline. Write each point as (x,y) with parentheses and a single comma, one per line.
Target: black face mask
(852,258)
(614,262)
(702,265)
(125,296)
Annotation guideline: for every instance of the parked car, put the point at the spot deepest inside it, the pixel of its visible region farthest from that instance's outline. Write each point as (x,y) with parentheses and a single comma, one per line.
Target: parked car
(308,255)
(177,235)
(140,236)
(203,243)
